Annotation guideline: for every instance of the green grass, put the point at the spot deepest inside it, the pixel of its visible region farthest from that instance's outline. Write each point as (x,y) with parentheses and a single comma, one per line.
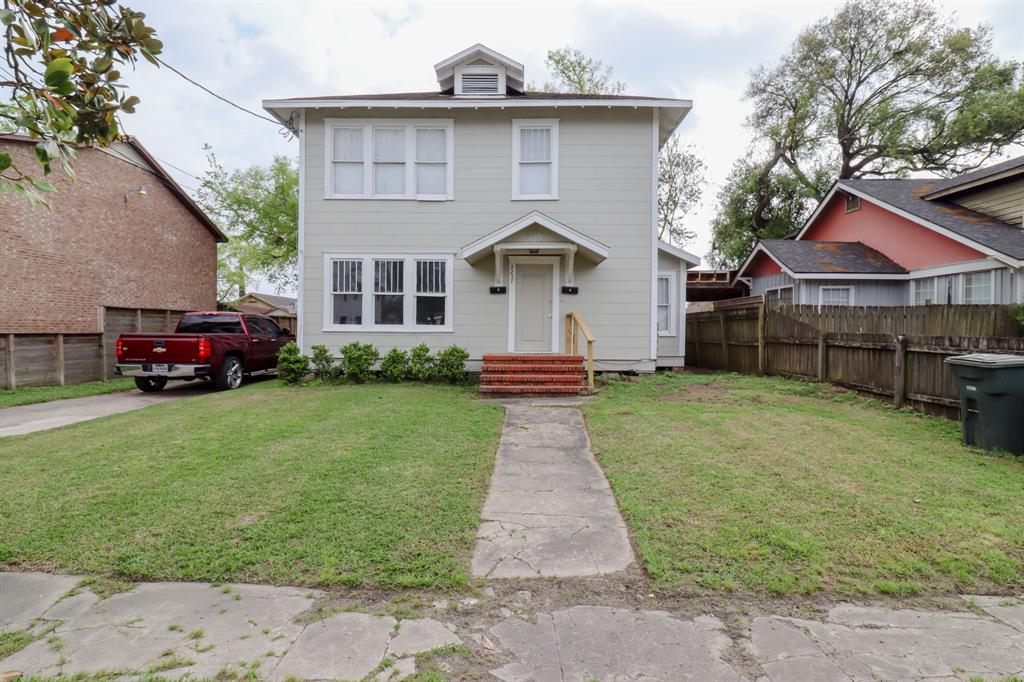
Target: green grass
(376,485)
(774,486)
(44,394)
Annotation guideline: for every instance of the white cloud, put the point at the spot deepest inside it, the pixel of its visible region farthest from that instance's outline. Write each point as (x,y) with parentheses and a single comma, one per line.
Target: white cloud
(249,51)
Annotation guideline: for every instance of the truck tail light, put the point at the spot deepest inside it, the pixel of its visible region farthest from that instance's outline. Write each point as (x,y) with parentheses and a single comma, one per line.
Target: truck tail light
(204,349)
(119,349)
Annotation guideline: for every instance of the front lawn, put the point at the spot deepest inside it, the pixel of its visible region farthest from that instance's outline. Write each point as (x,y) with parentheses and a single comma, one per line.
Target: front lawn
(779,486)
(375,485)
(43,394)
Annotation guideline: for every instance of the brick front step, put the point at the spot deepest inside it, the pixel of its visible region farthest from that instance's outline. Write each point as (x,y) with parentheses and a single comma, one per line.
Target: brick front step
(533,389)
(489,368)
(533,378)
(551,358)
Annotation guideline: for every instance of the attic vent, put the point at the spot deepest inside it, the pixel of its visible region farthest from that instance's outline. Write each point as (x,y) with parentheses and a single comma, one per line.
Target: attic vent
(852,202)
(480,84)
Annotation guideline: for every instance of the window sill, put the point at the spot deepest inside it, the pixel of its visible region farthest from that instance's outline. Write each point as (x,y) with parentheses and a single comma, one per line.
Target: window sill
(667,335)
(544,197)
(426,198)
(353,329)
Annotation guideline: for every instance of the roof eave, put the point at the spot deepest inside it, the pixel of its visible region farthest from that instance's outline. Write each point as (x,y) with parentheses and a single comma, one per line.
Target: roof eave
(975,184)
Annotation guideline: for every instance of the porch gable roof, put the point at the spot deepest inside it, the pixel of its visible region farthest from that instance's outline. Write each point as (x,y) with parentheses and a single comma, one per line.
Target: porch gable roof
(588,248)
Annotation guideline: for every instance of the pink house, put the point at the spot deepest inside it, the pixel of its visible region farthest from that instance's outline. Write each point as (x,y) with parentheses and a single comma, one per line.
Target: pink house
(903,242)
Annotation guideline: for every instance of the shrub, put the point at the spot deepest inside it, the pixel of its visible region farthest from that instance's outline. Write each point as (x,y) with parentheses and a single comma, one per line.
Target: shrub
(450,365)
(357,359)
(1017,311)
(395,365)
(323,364)
(292,366)
(421,363)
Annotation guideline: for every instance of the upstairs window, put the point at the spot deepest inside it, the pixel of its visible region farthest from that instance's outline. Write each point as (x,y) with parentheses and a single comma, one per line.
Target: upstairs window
(534,159)
(389,159)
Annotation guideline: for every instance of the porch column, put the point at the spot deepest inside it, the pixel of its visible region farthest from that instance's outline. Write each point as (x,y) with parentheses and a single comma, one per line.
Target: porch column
(570,272)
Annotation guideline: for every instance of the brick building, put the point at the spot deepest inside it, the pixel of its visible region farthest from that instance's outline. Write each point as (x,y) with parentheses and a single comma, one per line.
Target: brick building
(104,244)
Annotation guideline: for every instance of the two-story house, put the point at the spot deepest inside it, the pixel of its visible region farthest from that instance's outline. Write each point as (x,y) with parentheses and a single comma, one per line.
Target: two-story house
(903,242)
(480,214)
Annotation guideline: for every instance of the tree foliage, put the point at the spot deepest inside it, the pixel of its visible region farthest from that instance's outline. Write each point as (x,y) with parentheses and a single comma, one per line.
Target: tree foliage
(573,71)
(681,173)
(258,208)
(61,80)
(878,89)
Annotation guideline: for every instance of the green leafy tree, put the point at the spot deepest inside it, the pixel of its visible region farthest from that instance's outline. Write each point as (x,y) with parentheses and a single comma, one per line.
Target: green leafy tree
(878,89)
(681,173)
(60,81)
(258,208)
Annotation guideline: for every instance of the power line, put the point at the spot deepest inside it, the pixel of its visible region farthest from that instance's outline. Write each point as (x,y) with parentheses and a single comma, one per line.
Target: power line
(180,170)
(220,97)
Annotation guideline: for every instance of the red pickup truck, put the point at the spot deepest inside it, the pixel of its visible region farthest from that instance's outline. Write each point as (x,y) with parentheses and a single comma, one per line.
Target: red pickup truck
(217,346)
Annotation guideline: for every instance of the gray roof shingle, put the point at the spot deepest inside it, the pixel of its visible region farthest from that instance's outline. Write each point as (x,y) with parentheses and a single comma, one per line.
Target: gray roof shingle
(847,258)
(980,174)
(907,196)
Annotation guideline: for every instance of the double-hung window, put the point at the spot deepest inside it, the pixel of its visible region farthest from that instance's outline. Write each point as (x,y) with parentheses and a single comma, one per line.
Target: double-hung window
(835,296)
(978,288)
(924,291)
(666,304)
(389,159)
(388,292)
(534,158)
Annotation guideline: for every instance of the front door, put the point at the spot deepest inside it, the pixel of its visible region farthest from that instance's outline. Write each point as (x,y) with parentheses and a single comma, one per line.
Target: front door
(533,308)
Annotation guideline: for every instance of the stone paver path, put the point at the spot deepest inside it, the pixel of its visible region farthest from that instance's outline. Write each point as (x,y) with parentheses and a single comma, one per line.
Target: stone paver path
(550,510)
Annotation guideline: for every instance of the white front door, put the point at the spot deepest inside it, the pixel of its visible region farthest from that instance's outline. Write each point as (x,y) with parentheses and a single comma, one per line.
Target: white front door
(533,308)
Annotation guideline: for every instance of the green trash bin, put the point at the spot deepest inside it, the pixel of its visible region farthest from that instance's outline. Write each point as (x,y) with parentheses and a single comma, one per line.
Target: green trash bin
(991,400)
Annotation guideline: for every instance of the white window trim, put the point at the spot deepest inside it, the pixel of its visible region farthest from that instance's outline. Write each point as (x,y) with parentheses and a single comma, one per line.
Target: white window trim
(672,297)
(517,125)
(410,126)
(409,293)
(821,294)
(991,287)
(780,289)
(915,285)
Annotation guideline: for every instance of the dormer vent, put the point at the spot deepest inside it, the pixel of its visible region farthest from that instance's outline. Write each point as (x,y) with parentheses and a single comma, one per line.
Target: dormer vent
(479,71)
(479,80)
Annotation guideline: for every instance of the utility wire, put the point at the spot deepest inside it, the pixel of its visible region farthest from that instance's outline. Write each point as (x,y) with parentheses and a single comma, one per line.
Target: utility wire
(220,97)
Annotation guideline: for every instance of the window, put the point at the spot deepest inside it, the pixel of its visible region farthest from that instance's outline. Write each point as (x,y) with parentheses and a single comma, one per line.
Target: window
(978,288)
(852,203)
(257,326)
(778,296)
(534,159)
(212,323)
(924,291)
(347,292)
(666,304)
(409,292)
(835,296)
(389,159)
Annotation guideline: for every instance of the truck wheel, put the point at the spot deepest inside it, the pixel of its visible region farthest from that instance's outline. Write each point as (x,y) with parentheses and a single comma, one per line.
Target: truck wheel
(150,384)
(230,375)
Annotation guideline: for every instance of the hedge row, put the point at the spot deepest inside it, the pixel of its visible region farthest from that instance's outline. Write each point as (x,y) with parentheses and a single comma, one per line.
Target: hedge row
(357,361)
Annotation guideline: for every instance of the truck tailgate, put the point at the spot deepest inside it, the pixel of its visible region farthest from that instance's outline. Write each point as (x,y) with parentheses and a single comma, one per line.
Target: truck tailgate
(160,348)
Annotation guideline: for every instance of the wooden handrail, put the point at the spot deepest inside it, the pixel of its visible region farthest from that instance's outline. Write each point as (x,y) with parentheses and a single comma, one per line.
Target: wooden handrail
(574,326)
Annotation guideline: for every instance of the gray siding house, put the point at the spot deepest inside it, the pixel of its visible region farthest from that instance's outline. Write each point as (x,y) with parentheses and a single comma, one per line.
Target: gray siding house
(480,214)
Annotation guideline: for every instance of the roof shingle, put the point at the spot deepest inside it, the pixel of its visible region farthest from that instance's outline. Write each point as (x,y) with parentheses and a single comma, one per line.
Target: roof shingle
(846,258)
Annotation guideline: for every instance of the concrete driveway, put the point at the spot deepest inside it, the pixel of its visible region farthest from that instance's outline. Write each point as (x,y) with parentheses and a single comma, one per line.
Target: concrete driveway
(21,419)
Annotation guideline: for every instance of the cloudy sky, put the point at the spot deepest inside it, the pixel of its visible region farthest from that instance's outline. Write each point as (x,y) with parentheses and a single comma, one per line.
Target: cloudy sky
(250,50)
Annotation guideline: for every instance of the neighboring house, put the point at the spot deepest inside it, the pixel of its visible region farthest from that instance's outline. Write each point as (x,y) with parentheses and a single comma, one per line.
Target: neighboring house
(714,285)
(479,214)
(281,308)
(122,236)
(903,242)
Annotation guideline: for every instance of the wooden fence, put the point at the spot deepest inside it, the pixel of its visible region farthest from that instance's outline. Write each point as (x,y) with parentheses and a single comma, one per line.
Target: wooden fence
(921,320)
(58,359)
(903,367)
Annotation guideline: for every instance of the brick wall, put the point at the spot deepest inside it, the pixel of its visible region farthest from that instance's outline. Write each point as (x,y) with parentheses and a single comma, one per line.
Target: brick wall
(59,268)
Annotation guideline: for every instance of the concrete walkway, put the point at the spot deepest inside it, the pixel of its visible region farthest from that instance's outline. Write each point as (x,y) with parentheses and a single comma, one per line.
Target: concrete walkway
(550,511)
(273,633)
(21,419)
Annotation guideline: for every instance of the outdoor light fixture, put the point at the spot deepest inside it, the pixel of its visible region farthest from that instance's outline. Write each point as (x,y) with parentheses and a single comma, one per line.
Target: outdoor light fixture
(141,191)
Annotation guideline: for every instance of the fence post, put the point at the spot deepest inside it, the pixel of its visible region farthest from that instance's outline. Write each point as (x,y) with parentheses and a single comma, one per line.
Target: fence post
(138,320)
(60,359)
(696,338)
(725,342)
(899,369)
(11,378)
(822,358)
(762,359)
